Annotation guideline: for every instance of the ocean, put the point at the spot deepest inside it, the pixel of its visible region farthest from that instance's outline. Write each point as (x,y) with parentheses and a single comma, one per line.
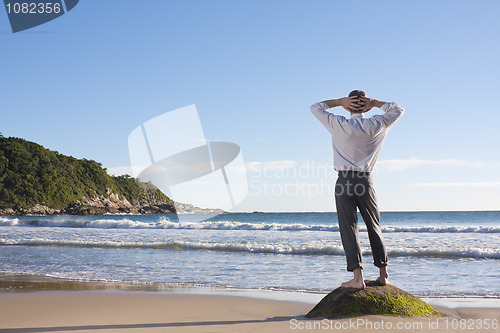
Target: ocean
(434,254)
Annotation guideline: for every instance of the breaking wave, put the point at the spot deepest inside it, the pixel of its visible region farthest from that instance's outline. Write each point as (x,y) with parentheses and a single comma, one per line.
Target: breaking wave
(126,223)
(255,247)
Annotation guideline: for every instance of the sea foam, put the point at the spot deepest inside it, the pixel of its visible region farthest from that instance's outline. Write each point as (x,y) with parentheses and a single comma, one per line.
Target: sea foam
(163,223)
(257,247)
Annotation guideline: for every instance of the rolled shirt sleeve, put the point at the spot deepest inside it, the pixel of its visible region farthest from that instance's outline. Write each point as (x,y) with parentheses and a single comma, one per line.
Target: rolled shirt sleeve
(326,118)
(392,112)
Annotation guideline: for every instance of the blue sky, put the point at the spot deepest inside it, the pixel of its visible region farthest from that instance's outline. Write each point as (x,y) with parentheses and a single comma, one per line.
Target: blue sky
(81,83)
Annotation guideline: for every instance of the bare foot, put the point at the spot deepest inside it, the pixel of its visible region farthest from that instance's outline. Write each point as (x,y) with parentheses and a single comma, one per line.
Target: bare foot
(382,280)
(354,283)
(383,277)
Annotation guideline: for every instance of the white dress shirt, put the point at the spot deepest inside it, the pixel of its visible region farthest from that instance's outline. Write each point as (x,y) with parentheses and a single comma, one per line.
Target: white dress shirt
(357,141)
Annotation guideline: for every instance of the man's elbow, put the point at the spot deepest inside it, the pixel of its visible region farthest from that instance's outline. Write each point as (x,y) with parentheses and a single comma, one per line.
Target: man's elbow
(396,111)
(317,107)
(400,111)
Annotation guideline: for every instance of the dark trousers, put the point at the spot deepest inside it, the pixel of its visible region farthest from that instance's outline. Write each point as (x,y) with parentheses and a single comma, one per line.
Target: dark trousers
(354,190)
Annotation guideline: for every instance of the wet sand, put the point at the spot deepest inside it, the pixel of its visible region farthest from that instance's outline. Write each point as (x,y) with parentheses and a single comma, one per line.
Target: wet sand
(46,306)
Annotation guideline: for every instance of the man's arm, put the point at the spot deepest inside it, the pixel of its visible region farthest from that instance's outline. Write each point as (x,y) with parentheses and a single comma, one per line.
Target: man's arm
(329,120)
(392,111)
(326,118)
(368,103)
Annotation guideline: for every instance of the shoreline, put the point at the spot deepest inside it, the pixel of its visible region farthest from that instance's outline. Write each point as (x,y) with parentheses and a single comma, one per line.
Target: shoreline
(24,283)
(177,208)
(41,304)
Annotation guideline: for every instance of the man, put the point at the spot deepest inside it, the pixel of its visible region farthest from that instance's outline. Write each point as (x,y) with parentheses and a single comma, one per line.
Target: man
(356,145)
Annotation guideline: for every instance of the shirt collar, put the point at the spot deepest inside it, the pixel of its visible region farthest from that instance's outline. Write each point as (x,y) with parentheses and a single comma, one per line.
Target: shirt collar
(357,115)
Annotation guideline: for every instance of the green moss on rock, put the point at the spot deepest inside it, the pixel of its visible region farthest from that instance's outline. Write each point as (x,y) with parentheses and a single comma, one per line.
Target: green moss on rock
(375,299)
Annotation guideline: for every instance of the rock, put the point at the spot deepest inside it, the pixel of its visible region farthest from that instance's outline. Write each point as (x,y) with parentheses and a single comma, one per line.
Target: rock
(40,210)
(183,208)
(7,212)
(112,203)
(35,210)
(87,210)
(375,299)
(157,209)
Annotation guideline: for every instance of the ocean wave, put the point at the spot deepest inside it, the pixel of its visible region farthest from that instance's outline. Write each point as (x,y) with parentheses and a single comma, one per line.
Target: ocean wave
(164,223)
(7,221)
(254,247)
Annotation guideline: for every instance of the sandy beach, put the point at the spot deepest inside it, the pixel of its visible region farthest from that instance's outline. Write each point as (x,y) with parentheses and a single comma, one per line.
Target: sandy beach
(128,311)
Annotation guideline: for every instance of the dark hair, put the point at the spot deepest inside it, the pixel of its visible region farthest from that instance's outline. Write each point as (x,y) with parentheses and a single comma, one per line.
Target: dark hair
(357,93)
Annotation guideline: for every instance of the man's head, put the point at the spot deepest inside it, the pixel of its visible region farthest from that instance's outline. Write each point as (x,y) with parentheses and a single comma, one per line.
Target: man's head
(357,93)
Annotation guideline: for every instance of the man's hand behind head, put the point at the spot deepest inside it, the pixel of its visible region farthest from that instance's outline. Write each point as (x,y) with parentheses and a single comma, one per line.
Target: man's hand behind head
(368,103)
(358,107)
(351,104)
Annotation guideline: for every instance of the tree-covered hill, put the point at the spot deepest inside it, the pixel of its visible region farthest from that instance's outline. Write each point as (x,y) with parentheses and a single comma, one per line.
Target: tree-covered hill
(32,176)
